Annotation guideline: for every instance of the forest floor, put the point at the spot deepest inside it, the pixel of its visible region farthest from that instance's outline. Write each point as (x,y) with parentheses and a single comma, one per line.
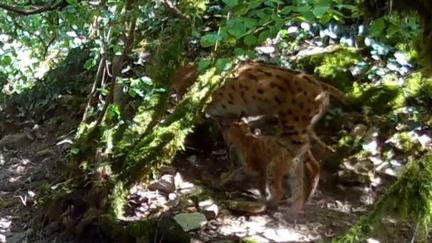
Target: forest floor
(32,156)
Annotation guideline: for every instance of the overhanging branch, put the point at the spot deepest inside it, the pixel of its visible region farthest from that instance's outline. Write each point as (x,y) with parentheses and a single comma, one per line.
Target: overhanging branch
(33,10)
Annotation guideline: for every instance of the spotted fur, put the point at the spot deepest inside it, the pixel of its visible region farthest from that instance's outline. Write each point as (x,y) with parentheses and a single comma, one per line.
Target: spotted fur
(262,157)
(297,100)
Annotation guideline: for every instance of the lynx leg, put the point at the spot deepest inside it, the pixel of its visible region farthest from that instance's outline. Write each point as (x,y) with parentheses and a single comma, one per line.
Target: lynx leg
(297,188)
(276,170)
(240,171)
(312,175)
(234,176)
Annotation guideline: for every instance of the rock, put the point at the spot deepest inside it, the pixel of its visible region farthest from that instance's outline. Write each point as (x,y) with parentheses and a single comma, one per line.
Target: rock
(246,206)
(209,209)
(183,186)
(173,200)
(190,221)
(13,141)
(165,184)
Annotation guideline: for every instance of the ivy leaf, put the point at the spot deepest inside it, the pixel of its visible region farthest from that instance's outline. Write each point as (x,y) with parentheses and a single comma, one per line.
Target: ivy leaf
(250,40)
(209,40)
(231,3)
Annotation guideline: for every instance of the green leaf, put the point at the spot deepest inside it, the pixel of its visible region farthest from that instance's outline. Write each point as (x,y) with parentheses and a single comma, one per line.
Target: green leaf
(74,151)
(250,40)
(222,64)
(243,52)
(377,27)
(248,23)
(236,27)
(264,36)
(203,65)
(113,112)
(90,63)
(72,2)
(6,60)
(243,10)
(209,40)
(231,3)
(255,3)
(321,8)
(287,10)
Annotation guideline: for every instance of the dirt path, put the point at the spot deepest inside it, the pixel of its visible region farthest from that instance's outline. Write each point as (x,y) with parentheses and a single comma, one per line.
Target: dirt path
(30,155)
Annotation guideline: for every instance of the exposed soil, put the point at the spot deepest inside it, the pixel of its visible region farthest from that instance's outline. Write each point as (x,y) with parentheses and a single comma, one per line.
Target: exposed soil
(31,155)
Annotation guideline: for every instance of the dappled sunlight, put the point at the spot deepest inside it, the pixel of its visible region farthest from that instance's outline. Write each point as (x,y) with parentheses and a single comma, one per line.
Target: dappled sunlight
(5,227)
(264,229)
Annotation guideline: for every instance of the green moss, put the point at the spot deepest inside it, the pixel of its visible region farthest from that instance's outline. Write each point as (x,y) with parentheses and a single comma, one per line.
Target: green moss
(194,7)
(336,62)
(249,240)
(139,231)
(334,66)
(381,99)
(419,88)
(118,199)
(409,199)
(161,144)
(346,141)
(408,49)
(406,142)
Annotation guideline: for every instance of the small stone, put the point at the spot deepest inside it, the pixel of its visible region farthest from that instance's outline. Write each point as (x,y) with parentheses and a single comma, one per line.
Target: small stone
(210,211)
(172,196)
(246,206)
(205,203)
(164,184)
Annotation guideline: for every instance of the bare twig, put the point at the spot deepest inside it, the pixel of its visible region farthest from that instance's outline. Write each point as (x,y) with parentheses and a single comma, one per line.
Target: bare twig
(47,46)
(174,9)
(96,84)
(415,233)
(116,66)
